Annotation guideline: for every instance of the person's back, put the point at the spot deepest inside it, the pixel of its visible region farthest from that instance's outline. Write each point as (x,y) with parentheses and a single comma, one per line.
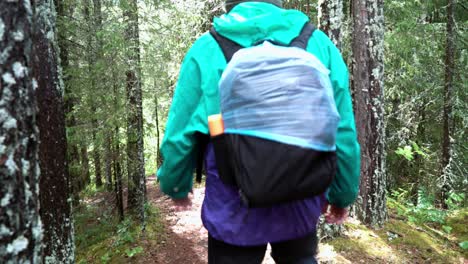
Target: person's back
(239,234)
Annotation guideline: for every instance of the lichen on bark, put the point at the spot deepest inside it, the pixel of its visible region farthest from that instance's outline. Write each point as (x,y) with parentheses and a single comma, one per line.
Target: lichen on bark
(331,18)
(55,194)
(20,228)
(368,90)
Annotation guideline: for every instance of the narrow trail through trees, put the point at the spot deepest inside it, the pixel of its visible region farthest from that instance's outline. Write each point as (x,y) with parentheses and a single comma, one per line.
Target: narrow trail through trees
(185,240)
(184,236)
(178,236)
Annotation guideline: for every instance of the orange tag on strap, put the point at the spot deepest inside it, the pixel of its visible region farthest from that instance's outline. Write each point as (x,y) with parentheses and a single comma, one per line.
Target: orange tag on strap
(216,125)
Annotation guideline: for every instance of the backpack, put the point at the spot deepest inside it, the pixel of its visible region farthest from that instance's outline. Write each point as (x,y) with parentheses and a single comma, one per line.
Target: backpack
(280,121)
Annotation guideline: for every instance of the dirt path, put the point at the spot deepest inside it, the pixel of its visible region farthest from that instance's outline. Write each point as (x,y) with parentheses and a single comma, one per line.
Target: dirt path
(185,240)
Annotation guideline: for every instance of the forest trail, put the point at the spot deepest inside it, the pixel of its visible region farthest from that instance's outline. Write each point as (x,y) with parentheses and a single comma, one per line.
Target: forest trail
(185,240)
(177,236)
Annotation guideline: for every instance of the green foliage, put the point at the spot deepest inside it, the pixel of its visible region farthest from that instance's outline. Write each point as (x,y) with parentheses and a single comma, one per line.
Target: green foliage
(133,252)
(414,83)
(106,258)
(406,152)
(455,200)
(424,211)
(100,238)
(447,229)
(464,245)
(124,232)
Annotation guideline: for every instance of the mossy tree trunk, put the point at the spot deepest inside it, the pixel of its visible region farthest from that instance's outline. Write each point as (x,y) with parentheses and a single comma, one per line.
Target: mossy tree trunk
(367,84)
(20,225)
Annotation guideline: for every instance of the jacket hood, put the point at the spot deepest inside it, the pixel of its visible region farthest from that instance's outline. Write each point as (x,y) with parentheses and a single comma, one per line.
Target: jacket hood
(250,22)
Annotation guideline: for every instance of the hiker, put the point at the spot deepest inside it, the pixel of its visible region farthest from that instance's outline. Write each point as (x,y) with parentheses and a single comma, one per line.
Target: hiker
(241,224)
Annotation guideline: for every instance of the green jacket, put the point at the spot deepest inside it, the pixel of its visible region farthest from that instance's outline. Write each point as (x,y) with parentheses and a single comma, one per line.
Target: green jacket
(196,95)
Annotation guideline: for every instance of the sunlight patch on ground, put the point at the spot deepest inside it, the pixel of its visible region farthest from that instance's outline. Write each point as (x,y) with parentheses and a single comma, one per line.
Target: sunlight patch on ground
(327,254)
(188,222)
(362,245)
(379,247)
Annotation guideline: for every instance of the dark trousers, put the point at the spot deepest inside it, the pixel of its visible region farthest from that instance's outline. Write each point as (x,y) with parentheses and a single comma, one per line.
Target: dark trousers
(297,251)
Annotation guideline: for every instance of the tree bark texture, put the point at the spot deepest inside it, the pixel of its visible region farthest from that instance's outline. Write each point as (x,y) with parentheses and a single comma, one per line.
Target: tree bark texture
(159,159)
(20,225)
(97,54)
(55,195)
(448,102)
(85,174)
(368,47)
(116,157)
(91,60)
(73,154)
(330,19)
(96,155)
(136,164)
(118,177)
(108,161)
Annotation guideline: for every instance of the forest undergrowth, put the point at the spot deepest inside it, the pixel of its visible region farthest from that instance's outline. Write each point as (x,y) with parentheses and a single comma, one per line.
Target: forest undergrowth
(179,238)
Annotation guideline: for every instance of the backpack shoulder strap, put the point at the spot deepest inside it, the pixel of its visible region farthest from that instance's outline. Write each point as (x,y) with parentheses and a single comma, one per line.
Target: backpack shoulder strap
(302,40)
(228,46)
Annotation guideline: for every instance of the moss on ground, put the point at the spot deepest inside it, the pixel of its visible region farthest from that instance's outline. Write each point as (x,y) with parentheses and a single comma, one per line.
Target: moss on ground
(101,238)
(402,242)
(458,221)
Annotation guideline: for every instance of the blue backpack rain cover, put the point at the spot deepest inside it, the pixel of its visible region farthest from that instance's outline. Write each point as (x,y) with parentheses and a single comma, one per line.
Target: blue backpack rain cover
(280,122)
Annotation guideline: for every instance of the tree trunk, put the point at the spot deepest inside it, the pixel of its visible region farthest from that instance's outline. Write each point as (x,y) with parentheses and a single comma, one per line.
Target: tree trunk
(108,161)
(116,155)
(96,156)
(54,182)
(73,156)
(331,19)
(159,159)
(91,59)
(85,174)
(368,47)
(97,57)
(20,225)
(118,177)
(135,157)
(448,103)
